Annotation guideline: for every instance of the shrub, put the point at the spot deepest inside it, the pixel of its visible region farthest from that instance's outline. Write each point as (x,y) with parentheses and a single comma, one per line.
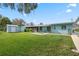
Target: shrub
(30,30)
(25,30)
(1,29)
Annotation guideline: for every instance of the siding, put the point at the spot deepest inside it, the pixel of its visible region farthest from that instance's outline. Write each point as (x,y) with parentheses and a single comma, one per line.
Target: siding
(15,28)
(58,29)
(44,29)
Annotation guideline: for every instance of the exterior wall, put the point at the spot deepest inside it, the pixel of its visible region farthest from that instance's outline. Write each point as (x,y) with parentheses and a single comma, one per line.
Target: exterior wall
(15,28)
(44,29)
(58,29)
(22,28)
(11,28)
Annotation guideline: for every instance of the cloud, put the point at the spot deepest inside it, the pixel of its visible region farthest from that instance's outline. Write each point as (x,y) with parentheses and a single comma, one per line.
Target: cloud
(24,14)
(68,10)
(72,5)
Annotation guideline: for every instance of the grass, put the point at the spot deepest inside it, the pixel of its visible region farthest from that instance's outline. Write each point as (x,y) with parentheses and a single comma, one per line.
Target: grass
(77,30)
(27,44)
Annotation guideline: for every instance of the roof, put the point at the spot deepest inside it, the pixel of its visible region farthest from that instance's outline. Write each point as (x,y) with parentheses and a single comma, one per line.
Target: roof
(11,25)
(51,24)
(63,23)
(38,25)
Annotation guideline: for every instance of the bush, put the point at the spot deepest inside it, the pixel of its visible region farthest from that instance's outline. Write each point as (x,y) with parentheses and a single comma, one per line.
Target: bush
(1,29)
(30,30)
(25,30)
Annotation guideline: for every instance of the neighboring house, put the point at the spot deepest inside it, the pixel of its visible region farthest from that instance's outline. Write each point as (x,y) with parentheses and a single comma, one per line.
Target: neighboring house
(61,28)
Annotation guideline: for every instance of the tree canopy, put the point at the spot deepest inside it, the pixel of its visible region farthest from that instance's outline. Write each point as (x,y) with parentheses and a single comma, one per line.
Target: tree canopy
(17,21)
(0,16)
(3,22)
(20,7)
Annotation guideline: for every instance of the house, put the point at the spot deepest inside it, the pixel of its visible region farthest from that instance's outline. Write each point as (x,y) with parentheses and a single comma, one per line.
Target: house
(61,28)
(15,28)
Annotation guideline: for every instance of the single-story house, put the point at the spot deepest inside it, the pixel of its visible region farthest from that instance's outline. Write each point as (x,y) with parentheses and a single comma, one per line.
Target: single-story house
(62,28)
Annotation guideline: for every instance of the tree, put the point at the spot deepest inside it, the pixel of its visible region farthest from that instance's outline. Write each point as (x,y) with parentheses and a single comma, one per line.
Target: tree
(31,24)
(0,16)
(41,23)
(21,7)
(19,22)
(4,21)
(77,19)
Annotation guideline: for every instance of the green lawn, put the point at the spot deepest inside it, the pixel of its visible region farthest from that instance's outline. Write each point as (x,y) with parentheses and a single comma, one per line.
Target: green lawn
(77,30)
(29,44)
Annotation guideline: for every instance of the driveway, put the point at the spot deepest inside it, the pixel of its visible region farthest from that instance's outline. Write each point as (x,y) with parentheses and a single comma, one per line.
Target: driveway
(75,39)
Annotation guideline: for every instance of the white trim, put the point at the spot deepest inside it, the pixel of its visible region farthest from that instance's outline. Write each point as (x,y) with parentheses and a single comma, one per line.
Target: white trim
(8,25)
(11,25)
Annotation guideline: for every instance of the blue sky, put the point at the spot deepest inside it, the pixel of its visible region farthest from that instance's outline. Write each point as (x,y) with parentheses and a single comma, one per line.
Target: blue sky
(46,13)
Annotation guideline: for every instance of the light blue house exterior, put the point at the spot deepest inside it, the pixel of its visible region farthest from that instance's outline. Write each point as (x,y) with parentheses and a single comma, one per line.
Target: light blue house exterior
(15,28)
(62,28)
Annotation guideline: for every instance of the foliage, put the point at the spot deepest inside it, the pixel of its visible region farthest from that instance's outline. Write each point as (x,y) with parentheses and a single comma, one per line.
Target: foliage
(1,28)
(0,16)
(21,7)
(3,22)
(28,30)
(41,24)
(25,30)
(19,22)
(31,24)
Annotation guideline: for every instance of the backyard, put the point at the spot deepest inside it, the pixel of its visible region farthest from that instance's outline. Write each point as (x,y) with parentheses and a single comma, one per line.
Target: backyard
(28,44)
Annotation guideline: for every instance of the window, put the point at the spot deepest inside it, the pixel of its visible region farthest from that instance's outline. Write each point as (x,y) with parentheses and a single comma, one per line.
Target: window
(49,29)
(40,28)
(63,27)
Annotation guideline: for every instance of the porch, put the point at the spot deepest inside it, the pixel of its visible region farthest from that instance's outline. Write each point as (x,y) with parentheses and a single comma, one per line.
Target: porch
(40,28)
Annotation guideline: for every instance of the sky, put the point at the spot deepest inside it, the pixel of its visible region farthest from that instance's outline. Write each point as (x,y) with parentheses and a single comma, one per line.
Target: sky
(46,13)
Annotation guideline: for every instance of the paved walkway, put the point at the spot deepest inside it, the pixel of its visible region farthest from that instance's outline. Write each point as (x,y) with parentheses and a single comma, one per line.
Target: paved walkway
(75,39)
(37,33)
